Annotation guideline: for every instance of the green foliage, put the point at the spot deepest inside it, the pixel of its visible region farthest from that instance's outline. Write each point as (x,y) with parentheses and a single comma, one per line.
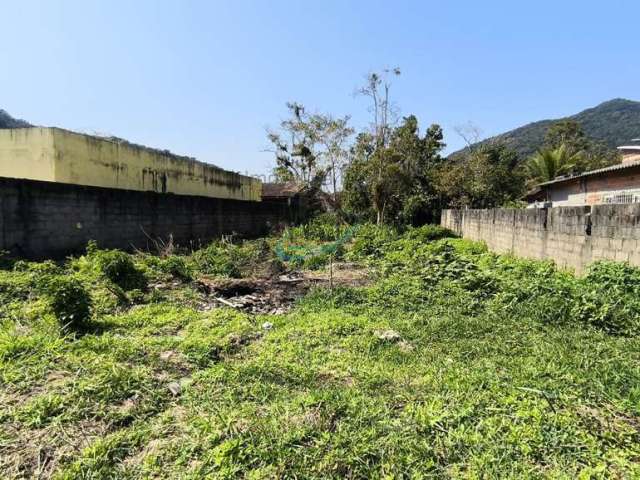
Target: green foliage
(176,266)
(326,227)
(609,297)
(394,180)
(119,268)
(7,121)
(428,233)
(314,245)
(452,362)
(227,259)
(587,153)
(218,258)
(371,241)
(69,300)
(483,177)
(547,163)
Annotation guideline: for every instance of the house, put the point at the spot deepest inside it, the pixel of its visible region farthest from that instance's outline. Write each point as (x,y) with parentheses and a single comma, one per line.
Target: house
(618,183)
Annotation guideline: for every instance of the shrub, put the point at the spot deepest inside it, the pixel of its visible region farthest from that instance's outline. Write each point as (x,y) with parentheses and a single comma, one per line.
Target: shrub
(429,233)
(608,297)
(230,260)
(119,268)
(39,268)
(370,241)
(177,267)
(533,289)
(326,227)
(217,259)
(69,301)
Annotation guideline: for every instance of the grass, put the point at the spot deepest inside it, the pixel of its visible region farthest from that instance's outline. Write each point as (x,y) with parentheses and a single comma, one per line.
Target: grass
(453,363)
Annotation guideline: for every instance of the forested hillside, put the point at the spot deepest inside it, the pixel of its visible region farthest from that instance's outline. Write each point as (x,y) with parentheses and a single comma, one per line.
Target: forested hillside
(613,123)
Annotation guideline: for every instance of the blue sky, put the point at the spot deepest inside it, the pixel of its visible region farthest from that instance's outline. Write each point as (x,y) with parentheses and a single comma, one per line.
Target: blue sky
(206,78)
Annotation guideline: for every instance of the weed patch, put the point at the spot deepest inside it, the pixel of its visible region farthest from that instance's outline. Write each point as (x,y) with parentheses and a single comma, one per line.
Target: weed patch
(449,361)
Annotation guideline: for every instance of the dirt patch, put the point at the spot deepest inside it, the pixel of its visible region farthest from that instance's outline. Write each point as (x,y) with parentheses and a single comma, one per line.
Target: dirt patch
(36,453)
(276,294)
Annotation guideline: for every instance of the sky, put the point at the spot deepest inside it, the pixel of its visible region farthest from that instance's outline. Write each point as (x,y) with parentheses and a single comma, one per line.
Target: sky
(207,78)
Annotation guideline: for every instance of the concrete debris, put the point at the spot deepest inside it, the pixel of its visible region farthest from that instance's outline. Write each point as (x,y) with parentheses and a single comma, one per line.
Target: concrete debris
(175,388)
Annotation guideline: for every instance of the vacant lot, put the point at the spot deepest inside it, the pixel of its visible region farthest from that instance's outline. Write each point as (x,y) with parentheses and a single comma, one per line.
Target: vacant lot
(429,357)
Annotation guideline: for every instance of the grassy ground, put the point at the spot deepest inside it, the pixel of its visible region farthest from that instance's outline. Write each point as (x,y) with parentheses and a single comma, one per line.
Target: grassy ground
(452,363)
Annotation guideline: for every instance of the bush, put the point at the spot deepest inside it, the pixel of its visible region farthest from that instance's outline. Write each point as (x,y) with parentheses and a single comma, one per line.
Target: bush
(608,297)
(429,233)
(217,259)
(371,241)
(177,267)
(119,268)
(230,260)
(69,301)
(39,268)
(326,227)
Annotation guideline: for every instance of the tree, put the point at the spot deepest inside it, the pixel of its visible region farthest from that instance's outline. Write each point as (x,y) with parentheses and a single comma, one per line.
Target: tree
(394,184)
(589,154)
(547,163)
(420,157)
(567,133)
(484,177)
(333,135)
(382,172)
(356,200)
(377,88)
(295,149)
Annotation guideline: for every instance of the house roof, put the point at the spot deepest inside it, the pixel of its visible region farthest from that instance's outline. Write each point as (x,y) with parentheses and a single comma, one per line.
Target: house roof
(612,168)
(280,190)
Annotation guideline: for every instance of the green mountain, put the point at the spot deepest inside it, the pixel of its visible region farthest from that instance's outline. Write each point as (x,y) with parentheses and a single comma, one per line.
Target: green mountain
(613,123)
(7,121)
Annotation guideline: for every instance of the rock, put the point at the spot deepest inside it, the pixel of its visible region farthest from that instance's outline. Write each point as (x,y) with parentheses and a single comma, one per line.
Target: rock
(388,335)
(175,388)
(267,326)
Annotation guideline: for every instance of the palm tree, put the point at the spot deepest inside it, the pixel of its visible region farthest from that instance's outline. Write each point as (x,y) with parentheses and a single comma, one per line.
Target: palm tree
(547,163)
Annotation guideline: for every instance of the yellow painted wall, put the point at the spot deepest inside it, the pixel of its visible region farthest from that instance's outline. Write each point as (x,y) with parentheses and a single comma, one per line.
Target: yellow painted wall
(27,153)
(69,157)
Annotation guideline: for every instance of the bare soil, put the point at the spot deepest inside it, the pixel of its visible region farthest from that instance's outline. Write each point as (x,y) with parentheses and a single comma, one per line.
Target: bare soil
(275,294)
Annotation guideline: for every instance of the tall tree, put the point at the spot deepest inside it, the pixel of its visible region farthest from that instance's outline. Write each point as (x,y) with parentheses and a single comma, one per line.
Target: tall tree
(333,135)
(420,156)
(295,148)
(383,173)
(404,192)
(378,89)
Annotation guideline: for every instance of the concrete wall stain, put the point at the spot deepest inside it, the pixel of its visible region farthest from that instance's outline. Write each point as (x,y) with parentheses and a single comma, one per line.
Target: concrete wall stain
(57,155)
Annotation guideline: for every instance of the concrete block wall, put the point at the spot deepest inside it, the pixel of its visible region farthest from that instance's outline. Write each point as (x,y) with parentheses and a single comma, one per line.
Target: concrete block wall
(573,237)
(51,220)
